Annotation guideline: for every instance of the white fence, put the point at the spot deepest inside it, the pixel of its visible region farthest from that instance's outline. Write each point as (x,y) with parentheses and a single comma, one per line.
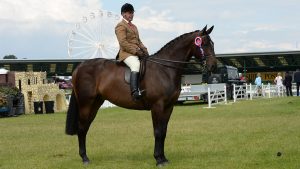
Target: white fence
(216,96)
(248,91)
(268,91)
(294,89)
(239,92)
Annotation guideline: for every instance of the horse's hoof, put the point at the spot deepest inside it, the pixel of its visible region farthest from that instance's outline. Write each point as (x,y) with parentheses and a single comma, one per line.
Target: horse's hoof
(162,164)
(86,162)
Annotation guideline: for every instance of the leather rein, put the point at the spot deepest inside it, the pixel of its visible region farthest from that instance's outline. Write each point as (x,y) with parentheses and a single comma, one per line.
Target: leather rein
(165,62)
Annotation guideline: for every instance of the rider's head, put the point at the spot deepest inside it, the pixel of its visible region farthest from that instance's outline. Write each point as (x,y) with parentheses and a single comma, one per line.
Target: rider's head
(127,11)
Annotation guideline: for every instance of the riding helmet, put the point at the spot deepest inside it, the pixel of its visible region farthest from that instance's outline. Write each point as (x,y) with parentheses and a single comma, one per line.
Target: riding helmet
(127,8)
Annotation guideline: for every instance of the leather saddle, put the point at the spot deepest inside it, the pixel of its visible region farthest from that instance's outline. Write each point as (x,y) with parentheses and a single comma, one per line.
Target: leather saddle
(127,71)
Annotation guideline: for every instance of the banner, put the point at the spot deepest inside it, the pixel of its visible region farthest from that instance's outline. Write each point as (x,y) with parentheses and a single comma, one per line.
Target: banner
(265,76)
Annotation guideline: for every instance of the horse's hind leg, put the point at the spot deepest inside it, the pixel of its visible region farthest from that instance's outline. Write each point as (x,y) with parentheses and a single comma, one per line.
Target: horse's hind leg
(87,114)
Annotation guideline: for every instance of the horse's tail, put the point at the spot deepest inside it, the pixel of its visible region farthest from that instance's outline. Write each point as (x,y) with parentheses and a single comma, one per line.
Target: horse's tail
(72,116)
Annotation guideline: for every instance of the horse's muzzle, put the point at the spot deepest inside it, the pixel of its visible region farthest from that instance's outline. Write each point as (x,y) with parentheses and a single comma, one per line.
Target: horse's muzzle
(212,67)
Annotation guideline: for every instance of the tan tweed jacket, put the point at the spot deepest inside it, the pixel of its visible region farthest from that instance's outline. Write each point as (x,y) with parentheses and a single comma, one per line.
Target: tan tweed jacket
(129,40)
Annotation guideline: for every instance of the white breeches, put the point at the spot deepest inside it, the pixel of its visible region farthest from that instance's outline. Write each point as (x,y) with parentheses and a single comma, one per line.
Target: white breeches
(133,63)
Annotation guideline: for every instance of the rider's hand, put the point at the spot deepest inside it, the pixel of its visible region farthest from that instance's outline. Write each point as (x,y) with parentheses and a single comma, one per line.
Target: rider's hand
(140,53)
(145,53)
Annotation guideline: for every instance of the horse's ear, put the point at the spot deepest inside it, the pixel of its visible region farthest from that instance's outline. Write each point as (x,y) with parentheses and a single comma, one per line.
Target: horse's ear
(204,29)
(209,30)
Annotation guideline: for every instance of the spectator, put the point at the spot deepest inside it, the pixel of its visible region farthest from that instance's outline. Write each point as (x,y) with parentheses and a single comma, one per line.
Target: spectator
(297,80)
(288,84)
(258,83)
(242,78)
(279,84)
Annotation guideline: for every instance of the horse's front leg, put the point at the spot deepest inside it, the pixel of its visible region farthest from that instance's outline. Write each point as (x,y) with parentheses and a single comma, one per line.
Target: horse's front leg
(160,119)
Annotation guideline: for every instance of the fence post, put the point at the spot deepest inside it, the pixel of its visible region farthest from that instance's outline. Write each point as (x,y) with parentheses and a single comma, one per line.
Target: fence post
(245,90)
(251,91)
(208,95)
(225,94)
(263,90)
(234,94)
(269,86)
(209,98)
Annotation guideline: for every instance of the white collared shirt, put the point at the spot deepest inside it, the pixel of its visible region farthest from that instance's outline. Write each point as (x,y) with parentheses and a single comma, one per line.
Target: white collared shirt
(125,20)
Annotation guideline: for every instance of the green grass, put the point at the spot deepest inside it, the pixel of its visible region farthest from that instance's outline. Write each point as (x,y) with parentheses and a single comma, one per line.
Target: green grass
(244,135)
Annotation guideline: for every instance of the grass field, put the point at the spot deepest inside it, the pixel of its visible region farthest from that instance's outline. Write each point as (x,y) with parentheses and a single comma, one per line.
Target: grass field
(244,135)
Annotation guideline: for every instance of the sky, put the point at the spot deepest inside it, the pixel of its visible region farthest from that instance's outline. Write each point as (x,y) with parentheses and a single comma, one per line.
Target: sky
(41,29)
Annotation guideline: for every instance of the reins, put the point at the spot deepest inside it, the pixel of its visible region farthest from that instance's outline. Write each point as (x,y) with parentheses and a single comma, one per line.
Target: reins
(164,62)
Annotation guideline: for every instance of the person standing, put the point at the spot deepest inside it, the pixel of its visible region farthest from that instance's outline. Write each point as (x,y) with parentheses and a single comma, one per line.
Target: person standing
(297,80)
(279,84)
(288,84)
(242,78)
(131,47)
(258,83)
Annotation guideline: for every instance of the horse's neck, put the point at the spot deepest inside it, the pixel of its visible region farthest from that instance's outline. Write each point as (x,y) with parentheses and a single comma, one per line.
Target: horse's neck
(179,52)
(176,52)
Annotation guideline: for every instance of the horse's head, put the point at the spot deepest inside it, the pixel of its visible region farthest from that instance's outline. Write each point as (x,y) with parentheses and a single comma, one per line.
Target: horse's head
(203,48)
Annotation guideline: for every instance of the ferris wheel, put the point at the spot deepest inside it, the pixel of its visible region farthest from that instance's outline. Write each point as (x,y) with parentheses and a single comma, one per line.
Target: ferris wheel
(94,36)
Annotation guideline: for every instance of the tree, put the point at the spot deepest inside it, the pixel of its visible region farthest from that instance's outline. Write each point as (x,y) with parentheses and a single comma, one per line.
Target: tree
(10,57)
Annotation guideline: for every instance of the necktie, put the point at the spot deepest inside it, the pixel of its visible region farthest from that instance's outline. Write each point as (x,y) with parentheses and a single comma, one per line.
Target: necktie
(131,25)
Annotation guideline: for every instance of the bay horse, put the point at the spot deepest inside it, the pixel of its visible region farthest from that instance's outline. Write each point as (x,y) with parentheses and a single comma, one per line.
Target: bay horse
(97,80)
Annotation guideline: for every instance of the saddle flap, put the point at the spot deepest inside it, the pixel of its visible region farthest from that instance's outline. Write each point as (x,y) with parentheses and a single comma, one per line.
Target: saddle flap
(127,72)
(127,75)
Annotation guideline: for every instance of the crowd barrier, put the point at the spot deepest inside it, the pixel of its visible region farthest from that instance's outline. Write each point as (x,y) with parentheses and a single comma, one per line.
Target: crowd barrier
(268,91)
(294,89)
(239,92)
(249,91)
(216,96)
(245,91)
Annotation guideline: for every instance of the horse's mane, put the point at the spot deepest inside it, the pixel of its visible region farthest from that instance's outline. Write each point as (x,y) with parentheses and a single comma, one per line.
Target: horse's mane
(175,40)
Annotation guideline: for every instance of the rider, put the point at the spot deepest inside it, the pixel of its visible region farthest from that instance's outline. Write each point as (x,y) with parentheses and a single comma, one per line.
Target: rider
(131,47)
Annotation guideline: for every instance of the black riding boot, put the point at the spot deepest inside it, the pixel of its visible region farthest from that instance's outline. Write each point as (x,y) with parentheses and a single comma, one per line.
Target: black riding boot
(134,80)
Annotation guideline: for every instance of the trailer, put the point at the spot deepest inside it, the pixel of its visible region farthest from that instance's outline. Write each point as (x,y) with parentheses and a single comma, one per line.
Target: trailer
(198,92)
(224,79)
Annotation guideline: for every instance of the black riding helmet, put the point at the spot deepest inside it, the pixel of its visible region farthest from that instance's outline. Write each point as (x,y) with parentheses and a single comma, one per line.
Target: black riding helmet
(127,8)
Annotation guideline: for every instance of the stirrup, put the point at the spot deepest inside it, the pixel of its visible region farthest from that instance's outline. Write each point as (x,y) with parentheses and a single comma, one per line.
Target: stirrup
(141,91)
(137,95)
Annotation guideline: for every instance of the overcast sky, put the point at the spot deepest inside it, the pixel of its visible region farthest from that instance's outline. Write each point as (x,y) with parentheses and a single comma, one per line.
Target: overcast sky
(39,29)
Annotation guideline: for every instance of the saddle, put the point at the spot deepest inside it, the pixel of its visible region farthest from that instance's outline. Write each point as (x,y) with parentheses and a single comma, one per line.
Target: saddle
(128,71)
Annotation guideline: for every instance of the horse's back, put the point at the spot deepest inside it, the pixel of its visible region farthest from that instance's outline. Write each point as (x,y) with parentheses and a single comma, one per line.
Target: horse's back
(104,78)
(95,67)
(97,63)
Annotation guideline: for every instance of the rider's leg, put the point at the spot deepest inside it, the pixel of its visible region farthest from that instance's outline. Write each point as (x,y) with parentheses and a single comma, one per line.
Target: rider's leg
(133,63)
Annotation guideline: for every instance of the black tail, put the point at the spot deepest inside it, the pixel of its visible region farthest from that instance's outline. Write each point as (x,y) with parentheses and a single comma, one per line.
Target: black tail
(72,116)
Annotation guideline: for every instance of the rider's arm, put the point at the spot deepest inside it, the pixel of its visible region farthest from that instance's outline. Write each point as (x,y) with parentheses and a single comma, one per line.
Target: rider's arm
(141,45)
